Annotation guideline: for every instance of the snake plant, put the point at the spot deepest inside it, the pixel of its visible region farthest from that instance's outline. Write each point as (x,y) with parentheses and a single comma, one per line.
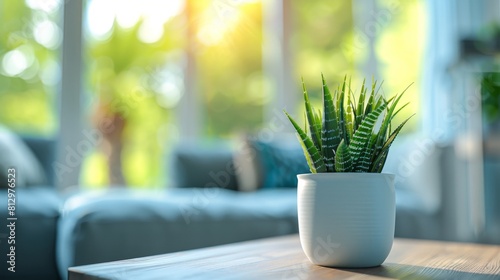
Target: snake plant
(348,135)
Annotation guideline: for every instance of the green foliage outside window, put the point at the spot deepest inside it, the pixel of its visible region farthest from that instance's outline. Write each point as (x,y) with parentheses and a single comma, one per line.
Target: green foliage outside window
(134,71)
(29,69)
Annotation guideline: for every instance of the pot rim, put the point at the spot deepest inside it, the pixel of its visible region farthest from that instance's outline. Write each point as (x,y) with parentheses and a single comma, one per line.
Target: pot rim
(344,175)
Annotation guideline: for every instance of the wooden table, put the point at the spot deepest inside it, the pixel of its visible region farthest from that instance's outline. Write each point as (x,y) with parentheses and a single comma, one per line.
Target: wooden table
(282,258)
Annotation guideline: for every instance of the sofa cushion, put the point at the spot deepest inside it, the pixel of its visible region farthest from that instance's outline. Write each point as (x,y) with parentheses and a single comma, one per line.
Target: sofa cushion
(194,165)
(275,164)
(15,154)
(37,212)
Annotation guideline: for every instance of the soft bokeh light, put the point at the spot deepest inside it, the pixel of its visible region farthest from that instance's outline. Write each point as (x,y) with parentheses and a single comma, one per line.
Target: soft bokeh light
(47,34)
(101,15)
(150,31)
(47,6)
(100,18)
(18,60)
(31,72)
(50,74)
(127,13)
(159,11)
(170,93)
(29,40)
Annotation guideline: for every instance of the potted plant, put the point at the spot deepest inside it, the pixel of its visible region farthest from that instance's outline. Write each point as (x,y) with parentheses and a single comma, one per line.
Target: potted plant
(490,96)
(346,206)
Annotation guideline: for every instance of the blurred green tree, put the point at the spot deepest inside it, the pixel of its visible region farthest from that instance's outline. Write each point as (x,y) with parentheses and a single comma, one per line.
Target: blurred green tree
(29,69)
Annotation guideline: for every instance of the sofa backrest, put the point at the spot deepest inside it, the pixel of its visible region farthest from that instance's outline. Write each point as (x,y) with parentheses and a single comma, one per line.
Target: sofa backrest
(197,165)
(18,159)
(45,151)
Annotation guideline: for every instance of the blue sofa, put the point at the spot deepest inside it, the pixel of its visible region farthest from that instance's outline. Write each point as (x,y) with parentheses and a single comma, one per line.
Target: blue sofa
(55,231)
(202,208)
(37,211)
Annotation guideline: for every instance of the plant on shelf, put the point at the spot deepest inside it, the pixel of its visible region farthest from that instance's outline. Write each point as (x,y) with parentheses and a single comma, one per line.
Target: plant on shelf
(490,95)
(346,200)
(349,135)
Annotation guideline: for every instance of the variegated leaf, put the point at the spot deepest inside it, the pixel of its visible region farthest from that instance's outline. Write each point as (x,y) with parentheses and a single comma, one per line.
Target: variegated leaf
(313,128)
(316,163)
(384,150)
(363,134)
(330,136)
(343,161)
(361,105)
(349,116)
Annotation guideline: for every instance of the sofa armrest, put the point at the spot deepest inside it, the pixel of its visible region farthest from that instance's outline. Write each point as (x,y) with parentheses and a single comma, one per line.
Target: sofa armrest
(116,225)
(34,232)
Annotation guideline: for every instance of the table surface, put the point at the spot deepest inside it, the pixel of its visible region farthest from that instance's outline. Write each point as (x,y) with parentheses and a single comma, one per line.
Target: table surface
(283,258)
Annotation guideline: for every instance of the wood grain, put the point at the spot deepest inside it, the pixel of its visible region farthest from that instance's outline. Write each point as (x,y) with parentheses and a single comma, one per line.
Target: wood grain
(282,258)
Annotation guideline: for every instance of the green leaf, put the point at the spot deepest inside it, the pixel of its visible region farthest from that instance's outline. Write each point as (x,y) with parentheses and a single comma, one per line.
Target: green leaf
(387,119)
(379,101)
(310,161)
(362,136)
(318,121)
(364,162)
(341,112)
(393,135)
(379,163)
(371,99)
(361,103)
(313,128)
(380,158)
(399,110)
(315,160)
(330,136)
(354,116)
(349,116)
(306,131)
(349,135)
(343,161)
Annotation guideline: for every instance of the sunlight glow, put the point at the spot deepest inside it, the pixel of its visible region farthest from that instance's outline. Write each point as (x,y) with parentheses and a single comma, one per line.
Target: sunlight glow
(127,14)
(220,19)
(101,15)
(48,6)
(150,31)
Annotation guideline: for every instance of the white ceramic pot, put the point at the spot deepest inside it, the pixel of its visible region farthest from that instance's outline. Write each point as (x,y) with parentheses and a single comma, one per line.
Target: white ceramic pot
(346,219)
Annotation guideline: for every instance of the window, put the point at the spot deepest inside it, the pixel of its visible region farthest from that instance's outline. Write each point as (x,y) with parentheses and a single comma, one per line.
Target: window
(399,48)
(321,43)
(136,55)
(29,66)
(228,52)
(321,40)
(134,81)
(382,39)
(161,71)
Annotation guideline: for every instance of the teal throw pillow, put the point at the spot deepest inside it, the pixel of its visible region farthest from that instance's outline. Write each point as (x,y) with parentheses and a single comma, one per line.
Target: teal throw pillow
(280,163)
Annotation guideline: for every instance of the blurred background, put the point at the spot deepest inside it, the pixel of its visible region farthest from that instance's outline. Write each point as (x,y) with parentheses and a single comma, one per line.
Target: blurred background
(145,75)
(166,70)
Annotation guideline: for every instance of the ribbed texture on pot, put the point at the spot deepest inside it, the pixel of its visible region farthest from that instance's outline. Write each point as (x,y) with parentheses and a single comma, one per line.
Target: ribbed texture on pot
(346,219)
